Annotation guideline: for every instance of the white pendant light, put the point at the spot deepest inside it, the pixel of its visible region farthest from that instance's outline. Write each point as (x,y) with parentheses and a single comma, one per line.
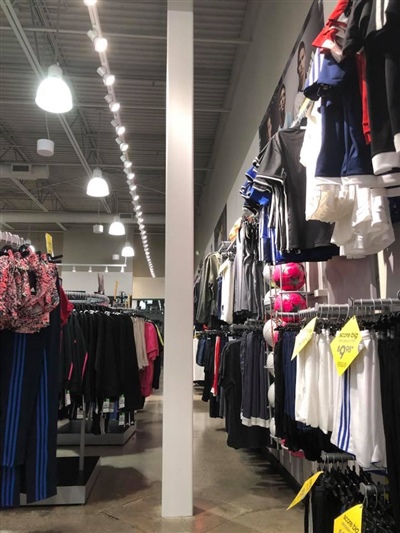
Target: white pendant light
(97,186)
(53,94)
(127,250)
(116,228)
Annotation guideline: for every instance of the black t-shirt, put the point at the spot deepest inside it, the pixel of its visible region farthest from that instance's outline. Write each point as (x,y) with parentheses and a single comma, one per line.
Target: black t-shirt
(281,168)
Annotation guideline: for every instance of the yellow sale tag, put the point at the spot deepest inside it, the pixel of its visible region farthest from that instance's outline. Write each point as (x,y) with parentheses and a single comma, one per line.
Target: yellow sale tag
(350,521)
(49,244)
(346,345)
(305,489)
(304,337)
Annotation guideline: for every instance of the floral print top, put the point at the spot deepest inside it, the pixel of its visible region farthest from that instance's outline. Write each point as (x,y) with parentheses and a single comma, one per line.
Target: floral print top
(28,291)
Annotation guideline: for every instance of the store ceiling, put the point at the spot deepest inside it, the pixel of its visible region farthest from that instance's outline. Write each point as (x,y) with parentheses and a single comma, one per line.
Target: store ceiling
(136,31)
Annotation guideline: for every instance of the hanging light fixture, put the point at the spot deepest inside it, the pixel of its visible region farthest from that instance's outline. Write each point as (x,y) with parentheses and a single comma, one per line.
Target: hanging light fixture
(120,130)
(123,146)
(100,43)
(116,228)
(112,104)
(53,94)
(97,186)
(108,79)
(127,250)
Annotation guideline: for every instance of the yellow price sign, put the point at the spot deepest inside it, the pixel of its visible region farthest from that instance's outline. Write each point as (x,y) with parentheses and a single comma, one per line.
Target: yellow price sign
(49,244)
(305,489)
(303,337)
(346,345)
(350,521)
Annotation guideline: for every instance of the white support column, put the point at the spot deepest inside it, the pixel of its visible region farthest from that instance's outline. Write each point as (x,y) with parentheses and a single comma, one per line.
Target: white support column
(177,447)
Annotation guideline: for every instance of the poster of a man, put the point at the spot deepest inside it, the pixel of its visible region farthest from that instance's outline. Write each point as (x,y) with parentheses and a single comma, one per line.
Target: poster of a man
(288,97)
(285,118)
(302,73)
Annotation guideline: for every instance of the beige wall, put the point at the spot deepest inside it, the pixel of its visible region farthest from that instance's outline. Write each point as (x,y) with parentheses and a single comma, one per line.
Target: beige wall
(148,288)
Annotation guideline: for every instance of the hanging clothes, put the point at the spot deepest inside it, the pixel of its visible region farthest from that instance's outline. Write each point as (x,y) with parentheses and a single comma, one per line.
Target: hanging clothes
(208,291)
(29,372)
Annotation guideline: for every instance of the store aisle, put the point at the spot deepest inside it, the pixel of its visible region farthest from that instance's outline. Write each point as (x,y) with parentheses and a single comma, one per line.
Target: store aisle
(235,492)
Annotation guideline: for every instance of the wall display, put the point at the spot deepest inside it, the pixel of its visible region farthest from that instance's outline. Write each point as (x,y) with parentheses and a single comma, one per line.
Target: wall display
(220,232)
(288,96)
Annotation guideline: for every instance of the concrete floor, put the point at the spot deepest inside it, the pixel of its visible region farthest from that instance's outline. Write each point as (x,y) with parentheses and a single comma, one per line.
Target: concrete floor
(235,491)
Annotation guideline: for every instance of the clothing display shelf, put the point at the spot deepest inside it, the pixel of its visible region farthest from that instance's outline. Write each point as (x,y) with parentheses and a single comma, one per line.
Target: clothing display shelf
(76,476)
(360,308)
(70,434)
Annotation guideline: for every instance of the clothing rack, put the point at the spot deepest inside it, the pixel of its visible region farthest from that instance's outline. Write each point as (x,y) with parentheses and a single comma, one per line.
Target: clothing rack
(355,307)
(249,325)
(74,433)
(374,490)
(293,315)
(331,458)
(87,297)
(10,238)
(225,247)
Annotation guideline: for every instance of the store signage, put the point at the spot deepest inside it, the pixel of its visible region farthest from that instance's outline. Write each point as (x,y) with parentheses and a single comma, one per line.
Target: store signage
(303,337)
(305,489)
(346,345)
(350,521)
(49,244)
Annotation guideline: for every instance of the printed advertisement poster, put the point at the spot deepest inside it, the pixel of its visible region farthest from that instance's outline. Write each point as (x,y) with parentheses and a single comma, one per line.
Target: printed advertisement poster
(288,96)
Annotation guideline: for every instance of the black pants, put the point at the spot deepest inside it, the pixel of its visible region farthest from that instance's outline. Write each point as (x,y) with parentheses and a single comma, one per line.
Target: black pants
(325,508)
(389,359)
(29,366)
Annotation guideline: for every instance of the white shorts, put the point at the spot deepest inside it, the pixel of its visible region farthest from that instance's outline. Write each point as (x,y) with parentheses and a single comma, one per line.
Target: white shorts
(358,422)
(307,376)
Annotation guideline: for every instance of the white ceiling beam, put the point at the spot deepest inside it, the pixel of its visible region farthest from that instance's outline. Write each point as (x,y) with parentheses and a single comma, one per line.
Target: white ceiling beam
(117,166)
(133,107)
(136,36)
(67,217)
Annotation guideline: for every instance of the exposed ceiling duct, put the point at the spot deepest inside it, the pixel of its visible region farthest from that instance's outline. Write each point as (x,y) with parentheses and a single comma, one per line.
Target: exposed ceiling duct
(24,171)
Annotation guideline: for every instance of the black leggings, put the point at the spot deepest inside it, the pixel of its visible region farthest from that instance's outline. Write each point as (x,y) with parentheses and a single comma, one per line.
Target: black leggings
(389,358)
(28,413)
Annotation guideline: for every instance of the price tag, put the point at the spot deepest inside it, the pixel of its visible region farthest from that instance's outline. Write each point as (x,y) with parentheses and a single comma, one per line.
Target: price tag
(304,337)
(106,406)
(121,402)
(121,419)
(49,244)
(305,489)
(67,398)
(350,521)
(79,413)
(346,345)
